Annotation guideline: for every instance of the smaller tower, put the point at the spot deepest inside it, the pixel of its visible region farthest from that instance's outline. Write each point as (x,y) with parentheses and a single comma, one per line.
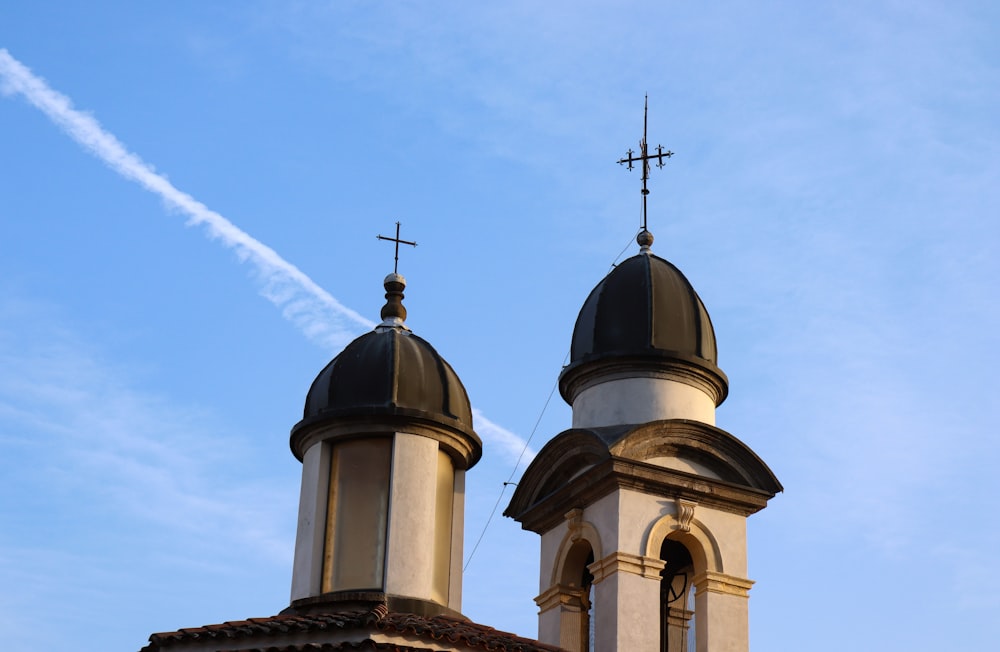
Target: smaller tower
(385,440)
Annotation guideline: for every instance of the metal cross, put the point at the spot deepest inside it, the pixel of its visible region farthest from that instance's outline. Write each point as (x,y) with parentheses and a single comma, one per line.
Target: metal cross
(645,157)
(395,265)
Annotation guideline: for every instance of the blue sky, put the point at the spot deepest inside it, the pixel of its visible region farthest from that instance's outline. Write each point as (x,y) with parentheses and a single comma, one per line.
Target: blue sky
(833,198)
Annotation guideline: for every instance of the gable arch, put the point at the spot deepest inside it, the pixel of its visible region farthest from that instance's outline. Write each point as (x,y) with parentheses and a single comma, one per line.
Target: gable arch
(566,456)
(718,452)
(699,540)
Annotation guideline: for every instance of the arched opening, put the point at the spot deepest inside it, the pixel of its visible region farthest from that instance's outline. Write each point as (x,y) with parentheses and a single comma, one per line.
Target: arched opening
(577,589)
(676,598)
(587,606)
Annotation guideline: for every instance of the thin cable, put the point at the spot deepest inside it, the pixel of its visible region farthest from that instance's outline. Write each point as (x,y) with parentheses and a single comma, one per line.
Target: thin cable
(642,227)
(512,473)
(527,442)
(537,422)
(627,245)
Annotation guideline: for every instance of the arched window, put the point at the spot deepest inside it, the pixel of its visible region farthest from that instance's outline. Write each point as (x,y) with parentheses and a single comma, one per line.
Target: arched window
(676,612)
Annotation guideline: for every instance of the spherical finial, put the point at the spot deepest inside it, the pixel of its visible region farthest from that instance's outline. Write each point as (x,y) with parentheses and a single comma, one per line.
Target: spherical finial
(393,312)
(645,240)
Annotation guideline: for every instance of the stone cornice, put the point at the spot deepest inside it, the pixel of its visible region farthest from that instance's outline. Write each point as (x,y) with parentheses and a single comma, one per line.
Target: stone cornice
(714,582)
(559,595)
(678,367)
(622,562)
(616,474)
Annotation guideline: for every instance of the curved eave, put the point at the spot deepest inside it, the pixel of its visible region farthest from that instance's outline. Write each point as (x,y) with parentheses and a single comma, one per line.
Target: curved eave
(564,457)
(586,462)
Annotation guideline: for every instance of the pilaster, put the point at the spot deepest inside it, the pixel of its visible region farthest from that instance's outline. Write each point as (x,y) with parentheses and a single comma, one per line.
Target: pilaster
(562,618)
(307,569)
(410,562)
(627,598)
(722,605)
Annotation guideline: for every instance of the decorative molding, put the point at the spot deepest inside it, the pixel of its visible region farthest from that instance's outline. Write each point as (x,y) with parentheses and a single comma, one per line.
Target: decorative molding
(566,597)
(685,513)
(574,521)
(713,582)
(623,562)
(697,538)
(549,598)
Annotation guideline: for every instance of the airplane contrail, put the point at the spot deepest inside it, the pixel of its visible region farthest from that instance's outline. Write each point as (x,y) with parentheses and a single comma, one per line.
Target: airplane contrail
(309,307)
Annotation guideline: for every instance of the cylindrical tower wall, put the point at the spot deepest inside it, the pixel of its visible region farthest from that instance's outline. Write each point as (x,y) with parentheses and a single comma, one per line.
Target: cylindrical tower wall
(640,400)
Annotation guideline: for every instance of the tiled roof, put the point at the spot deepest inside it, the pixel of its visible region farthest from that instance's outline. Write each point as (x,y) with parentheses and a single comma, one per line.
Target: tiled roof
(257,633)
(366,645)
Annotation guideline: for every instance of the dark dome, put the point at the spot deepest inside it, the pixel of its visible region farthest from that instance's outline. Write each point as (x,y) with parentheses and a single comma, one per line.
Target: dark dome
(389,371)
(647,313)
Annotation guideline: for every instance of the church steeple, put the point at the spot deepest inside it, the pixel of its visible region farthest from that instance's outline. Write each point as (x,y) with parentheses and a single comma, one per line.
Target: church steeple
(644,500)
(385,440)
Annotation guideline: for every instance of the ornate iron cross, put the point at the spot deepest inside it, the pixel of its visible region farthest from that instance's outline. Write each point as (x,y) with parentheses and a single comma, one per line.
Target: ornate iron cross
(395,265)
(645,157)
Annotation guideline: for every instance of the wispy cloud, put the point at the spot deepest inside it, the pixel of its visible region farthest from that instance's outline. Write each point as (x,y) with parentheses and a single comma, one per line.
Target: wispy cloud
(309,307)
(515,449)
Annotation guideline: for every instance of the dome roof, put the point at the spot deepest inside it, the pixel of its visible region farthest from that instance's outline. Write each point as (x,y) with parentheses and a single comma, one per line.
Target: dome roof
(645,313)
(389,371)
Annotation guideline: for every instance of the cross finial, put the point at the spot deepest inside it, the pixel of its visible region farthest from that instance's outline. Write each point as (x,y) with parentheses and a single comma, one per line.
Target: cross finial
(395,264)
(645,157)
(393,312)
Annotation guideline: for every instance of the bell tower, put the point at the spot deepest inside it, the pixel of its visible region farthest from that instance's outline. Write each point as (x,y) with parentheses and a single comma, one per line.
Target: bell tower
(644,500)
(642,504)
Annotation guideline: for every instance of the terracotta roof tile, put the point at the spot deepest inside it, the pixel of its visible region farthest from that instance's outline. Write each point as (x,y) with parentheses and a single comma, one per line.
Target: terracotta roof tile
(366,645)
(257,631)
